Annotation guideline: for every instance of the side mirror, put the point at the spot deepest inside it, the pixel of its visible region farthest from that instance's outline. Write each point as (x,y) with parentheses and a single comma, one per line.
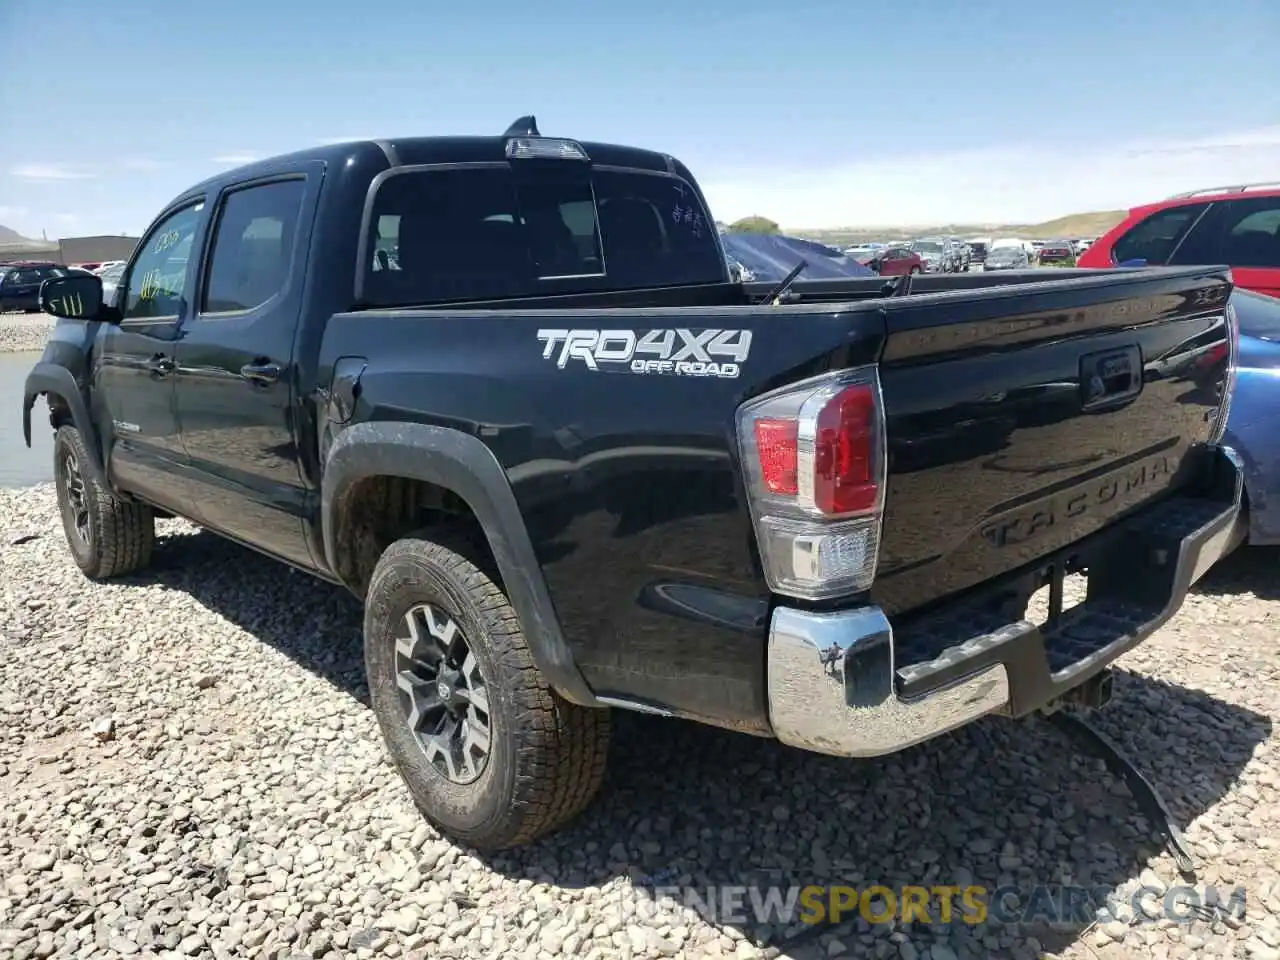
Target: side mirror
(77,296)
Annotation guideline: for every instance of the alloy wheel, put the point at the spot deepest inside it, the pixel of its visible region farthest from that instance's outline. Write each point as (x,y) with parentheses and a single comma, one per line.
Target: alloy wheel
(443,693)
(76,507)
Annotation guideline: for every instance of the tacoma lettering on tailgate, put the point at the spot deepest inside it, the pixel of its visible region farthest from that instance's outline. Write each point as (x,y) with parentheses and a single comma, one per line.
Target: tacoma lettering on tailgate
(1068,506)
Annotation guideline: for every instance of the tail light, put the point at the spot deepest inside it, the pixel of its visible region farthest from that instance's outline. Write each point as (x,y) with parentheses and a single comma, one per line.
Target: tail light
(814,459)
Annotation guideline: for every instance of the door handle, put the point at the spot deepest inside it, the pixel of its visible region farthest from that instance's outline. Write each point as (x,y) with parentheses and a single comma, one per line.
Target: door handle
(262,372)
(160,365)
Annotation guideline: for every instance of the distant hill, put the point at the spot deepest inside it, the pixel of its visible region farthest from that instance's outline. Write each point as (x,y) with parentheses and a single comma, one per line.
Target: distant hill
(1091,224)
(8,235)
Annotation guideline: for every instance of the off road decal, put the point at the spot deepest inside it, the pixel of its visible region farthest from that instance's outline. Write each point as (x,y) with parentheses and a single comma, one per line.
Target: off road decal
(679,352)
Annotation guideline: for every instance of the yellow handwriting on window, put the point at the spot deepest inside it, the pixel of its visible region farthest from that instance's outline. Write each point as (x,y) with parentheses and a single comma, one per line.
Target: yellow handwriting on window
(156,284)
(168,239)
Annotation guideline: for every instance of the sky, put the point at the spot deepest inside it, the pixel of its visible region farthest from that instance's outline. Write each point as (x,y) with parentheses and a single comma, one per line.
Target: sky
(811,113)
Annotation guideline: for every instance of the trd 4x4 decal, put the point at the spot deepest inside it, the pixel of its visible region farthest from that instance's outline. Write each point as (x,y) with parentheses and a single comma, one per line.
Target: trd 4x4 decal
(681,352)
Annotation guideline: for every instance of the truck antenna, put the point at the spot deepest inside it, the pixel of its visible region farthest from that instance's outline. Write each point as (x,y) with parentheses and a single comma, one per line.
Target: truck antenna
(524,127)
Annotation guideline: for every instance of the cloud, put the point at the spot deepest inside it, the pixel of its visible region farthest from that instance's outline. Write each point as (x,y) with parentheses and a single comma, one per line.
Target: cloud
(50,171)
(234,159)
(1011,183)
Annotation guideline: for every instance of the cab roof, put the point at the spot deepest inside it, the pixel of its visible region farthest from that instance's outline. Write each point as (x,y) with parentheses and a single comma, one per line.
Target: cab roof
(418,150)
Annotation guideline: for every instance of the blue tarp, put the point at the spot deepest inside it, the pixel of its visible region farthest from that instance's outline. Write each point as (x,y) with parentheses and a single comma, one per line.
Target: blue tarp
(772,257)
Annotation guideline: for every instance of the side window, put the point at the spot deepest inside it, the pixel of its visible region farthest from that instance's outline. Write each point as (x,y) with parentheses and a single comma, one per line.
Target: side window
(1253,233)
(158,277)
(1156,237)
(252,246)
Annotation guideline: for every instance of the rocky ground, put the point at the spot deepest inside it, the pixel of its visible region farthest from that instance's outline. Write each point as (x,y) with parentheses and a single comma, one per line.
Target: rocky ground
(188,767)
(21,332)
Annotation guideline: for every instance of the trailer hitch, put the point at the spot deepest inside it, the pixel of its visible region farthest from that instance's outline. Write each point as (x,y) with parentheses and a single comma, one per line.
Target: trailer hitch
(1090,738)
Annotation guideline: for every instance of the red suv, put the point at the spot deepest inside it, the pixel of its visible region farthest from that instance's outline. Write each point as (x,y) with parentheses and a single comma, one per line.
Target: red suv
(1237,226)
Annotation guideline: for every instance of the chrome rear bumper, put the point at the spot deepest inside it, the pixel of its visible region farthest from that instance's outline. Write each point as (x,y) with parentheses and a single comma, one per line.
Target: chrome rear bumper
(831,687)
(839,683)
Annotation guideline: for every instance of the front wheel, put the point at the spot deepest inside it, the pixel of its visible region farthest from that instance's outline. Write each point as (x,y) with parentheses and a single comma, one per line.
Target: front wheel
(491,754)
(107,536)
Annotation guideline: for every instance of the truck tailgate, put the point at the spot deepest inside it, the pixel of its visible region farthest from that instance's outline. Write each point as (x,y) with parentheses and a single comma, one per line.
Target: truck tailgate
(1024,420)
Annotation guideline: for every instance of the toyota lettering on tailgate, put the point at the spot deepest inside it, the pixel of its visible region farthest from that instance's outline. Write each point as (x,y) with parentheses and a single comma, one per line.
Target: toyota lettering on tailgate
(678,352)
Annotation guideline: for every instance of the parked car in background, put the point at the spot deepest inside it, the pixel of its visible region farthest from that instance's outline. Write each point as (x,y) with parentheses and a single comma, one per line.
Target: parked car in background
(1057,251)
(20,285)
(1007,258)
(110,277)
(770,257)
(862,252)
(1253,420)
(963,253)
(108,265)
(1237,226)
(978,247)
(1081,245)
(938,253)
(895,261)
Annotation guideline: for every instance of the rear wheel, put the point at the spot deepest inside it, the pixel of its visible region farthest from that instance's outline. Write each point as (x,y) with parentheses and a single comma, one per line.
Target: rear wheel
(914,270)
(107,536)
(491,755)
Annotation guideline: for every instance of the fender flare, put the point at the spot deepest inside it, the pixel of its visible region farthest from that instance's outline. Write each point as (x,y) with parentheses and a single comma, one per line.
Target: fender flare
(49,378)
(462,464)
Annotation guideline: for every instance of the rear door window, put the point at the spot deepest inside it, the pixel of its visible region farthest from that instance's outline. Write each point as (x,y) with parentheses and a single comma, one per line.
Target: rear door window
(1252,235)
(476,233)
(252,246)
(1156,237)
(1238,233)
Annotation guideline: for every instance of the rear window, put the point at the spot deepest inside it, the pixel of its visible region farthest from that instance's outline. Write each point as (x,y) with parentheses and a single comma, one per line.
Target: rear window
(478,233)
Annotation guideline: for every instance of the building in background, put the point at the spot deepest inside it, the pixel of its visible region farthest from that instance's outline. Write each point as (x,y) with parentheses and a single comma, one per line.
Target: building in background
(95,249)
(69,250)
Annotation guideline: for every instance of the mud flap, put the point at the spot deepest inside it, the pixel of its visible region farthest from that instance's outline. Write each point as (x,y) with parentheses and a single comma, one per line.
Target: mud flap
(1090,738)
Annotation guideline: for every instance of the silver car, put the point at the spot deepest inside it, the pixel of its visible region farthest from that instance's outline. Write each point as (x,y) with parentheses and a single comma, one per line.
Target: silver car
(1006,258)
(936,255)
(110,277)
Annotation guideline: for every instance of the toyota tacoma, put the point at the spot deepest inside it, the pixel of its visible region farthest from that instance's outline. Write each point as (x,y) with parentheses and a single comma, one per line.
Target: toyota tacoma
(505,391)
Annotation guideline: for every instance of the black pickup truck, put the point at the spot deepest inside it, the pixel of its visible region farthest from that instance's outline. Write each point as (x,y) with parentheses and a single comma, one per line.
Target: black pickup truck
(503,389)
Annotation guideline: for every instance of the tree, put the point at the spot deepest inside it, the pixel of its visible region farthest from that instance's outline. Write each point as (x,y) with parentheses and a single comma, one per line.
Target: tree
(753,225)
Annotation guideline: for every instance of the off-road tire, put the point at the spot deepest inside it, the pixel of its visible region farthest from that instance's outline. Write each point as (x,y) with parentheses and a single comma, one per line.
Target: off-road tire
(118,534)
(546,757)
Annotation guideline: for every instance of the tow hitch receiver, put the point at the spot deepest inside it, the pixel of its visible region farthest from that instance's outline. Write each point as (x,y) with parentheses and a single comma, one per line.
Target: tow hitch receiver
(1093,694)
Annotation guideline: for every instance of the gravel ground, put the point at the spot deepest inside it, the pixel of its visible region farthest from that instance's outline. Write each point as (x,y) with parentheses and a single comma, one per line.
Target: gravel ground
(20,332)
(188,766)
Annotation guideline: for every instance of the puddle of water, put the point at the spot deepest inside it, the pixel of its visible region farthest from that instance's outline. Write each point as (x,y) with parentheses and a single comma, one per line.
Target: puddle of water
(19,466)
